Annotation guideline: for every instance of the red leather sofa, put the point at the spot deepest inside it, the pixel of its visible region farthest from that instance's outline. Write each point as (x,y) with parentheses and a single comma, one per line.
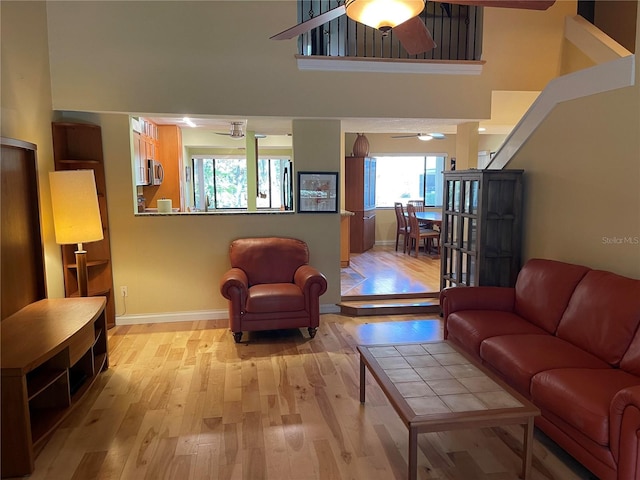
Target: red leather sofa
(567,337)
(272,286)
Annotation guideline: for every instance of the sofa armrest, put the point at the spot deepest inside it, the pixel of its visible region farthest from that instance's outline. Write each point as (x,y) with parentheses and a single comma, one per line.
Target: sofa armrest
(453,299)
(624,425)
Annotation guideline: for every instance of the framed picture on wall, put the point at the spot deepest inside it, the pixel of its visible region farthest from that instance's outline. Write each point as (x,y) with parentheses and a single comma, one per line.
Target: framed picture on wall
(317,192)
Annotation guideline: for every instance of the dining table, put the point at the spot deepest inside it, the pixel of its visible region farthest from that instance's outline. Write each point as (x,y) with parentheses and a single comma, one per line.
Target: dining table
(431,217)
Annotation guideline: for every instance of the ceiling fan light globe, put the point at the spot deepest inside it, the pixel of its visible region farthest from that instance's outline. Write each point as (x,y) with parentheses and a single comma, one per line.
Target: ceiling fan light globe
(425,138)
(383,14)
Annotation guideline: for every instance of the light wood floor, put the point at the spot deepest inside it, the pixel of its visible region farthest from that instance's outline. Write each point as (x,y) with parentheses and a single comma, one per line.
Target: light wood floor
(383,271)
(183,401)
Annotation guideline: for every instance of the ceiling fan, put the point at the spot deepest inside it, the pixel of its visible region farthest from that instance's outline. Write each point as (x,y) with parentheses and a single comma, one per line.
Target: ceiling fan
(237,131)
(399,16)
(425,137)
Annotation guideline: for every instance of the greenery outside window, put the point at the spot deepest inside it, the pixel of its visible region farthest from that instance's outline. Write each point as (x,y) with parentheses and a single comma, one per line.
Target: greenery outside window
(402,178)
(221,183)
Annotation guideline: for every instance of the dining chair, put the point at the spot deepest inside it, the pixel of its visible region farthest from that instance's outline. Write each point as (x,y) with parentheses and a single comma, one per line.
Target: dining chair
(419,206)
(401,226)
(417,234)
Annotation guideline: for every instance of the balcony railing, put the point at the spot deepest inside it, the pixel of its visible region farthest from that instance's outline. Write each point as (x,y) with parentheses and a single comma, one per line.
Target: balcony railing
(456,29)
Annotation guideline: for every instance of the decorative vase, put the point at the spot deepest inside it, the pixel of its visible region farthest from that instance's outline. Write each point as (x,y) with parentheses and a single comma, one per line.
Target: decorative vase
(361,146)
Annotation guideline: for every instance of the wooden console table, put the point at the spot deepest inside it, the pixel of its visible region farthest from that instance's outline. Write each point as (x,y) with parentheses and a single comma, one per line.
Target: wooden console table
(52,352)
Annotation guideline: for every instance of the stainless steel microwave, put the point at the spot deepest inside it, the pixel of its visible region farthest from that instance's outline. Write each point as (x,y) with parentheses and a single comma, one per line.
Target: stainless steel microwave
(156,172)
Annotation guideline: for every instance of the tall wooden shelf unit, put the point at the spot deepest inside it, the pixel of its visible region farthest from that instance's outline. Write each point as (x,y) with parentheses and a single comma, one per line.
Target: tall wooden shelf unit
(360,198)
(481,228)
(78,146)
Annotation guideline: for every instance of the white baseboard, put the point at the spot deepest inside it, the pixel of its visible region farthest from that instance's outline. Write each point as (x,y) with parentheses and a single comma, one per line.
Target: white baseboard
(193,316)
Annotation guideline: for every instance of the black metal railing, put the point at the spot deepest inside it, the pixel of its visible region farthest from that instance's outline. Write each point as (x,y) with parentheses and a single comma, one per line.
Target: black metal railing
(456,29)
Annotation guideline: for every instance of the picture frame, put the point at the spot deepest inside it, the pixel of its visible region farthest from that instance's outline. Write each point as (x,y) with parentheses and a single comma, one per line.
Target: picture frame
(317,192)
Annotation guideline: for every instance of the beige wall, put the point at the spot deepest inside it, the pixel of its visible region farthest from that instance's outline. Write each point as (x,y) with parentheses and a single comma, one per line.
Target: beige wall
(581,182)
(26,108)
(174,263)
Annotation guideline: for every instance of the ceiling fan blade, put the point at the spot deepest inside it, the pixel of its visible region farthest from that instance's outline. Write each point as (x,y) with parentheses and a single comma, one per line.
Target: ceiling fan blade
(525,4)
(310,24)
(414,36)
(405,136)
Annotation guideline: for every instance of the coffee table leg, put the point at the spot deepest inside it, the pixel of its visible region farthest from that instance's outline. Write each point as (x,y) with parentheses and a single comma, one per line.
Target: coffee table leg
(527,448)
(413,453)
(362,378)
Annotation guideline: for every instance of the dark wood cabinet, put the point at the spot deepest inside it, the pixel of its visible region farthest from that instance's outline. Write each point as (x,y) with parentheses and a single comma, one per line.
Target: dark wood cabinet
(78,146)
(360,198)
(481,228)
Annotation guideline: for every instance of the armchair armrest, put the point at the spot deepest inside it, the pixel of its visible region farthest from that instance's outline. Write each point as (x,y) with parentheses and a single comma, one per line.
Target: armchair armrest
(234,278)
(234,286)
(310,281)
(453,299)
(624,425)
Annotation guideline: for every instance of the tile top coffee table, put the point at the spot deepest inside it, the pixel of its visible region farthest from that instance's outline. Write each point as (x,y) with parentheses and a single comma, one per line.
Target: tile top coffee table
(435,387)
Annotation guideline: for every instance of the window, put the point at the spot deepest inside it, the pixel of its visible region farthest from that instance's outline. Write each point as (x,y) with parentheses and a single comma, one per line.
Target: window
(274,184)
(221,183)
(402,178)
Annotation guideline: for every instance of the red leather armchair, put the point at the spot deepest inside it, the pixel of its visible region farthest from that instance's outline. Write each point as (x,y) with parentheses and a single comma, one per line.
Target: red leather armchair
(271,285)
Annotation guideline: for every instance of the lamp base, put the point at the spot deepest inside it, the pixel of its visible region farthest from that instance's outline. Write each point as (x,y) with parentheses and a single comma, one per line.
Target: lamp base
(83,274)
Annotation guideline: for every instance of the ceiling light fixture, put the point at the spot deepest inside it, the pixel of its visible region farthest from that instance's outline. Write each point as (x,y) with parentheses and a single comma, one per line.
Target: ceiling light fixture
(425,138)
(482,129)
(383,14)
(189,122)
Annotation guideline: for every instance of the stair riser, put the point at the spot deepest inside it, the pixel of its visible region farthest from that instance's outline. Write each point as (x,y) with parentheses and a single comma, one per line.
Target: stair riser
(392,310)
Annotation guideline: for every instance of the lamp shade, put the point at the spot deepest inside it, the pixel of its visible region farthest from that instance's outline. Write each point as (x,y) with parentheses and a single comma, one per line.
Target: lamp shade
(383,14)
(76,213)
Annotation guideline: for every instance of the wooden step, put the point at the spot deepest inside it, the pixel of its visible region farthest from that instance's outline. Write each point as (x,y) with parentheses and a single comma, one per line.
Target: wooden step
(389,306)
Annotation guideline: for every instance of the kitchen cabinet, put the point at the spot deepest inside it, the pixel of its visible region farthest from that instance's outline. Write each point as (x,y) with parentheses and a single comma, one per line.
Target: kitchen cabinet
(345,244)
(360,198)
(481,228)
(169,154)
(145,147)
(78,146)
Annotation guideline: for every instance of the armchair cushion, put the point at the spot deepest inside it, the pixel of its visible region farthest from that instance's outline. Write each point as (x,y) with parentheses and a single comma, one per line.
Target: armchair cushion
(274,297)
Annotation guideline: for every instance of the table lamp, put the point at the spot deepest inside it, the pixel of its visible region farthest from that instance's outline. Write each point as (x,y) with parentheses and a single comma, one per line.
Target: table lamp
(76,215)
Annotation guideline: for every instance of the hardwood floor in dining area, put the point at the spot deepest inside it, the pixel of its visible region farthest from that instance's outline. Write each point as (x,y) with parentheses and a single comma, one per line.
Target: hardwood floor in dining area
(183,401)
(383,271)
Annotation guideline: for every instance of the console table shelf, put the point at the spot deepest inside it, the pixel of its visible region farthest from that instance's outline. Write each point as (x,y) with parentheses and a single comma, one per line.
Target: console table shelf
(52,351)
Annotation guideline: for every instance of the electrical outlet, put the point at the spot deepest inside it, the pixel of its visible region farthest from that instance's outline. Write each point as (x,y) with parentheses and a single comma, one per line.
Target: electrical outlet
(124,291)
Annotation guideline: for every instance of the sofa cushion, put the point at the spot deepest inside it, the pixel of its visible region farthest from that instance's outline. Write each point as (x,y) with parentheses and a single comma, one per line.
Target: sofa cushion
(631,360)
(603,315)
(519,357)
(468,328)
(581,397)
(275,297)
(543,290)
